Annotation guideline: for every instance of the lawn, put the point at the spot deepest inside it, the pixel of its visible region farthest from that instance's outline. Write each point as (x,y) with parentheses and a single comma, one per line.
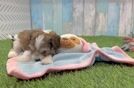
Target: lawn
(100,75)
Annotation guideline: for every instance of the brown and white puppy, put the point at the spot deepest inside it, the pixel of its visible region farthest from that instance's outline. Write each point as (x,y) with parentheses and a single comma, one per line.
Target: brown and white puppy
(35,44)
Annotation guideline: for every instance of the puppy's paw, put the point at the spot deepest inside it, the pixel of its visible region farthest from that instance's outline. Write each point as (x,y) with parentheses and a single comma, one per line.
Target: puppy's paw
(47,60)
(12,54)
(23,58)
(26,56)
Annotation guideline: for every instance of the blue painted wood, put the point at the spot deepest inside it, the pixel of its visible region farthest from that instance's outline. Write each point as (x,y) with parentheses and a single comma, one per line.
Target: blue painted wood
(101,17)
(126,14)
(47,14)
(78,17)
(36,14)
(89,17)
(101,6)
(113,18)
(57,16)
(81,17)
(67,17)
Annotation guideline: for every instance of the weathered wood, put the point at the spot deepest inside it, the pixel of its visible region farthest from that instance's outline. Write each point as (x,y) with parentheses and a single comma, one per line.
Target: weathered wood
(57,16)
(85,17)
(132,30)
(47,14)
(78,17)
(36,13)
(125,25)
(101,17)
(113,18)
(67,17)
(89,17)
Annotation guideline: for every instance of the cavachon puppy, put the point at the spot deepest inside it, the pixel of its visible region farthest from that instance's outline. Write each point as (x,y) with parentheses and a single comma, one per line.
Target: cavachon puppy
(35,44)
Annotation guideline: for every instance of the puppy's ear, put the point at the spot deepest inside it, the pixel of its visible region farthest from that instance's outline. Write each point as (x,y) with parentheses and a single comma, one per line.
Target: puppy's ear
(55,40)
(13,37)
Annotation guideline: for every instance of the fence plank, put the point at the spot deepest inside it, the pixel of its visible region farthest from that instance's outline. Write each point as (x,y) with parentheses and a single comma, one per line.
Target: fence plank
(125,25)
(101,17)
(113,18)
(67,17)
(132,30)
(78,14)
(89,17)
(36,13)
(57,16)
(47,14)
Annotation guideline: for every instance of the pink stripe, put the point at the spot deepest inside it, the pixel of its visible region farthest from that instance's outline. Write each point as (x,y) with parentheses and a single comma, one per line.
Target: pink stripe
(127,59)
(11,65)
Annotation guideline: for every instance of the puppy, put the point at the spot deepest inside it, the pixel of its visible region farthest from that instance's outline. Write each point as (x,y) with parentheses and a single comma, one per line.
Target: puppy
(35,44)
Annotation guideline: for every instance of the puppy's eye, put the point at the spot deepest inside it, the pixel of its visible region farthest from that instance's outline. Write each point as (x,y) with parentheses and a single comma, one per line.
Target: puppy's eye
(64,38)
(50,44)
(43,52)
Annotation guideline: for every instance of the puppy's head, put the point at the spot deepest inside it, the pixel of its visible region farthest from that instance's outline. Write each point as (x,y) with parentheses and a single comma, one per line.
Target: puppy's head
(48,43)
(55,40)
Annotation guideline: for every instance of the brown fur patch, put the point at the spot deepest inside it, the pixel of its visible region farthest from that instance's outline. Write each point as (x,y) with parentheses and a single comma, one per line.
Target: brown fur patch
(69,42)
(28,37)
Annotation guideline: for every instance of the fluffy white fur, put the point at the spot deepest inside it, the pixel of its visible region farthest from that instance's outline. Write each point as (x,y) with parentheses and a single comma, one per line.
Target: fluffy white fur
(12,53)
(47,59)
(16,47)
(38,41)
(26,56)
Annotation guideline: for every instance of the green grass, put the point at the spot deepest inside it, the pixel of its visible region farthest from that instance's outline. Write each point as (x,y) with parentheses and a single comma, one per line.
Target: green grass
(100,75)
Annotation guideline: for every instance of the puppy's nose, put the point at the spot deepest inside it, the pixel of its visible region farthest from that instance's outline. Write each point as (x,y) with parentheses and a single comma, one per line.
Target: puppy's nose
(38,59)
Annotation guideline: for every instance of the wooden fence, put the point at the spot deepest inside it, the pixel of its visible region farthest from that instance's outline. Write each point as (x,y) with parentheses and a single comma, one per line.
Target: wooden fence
(84,17)
(81,17)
